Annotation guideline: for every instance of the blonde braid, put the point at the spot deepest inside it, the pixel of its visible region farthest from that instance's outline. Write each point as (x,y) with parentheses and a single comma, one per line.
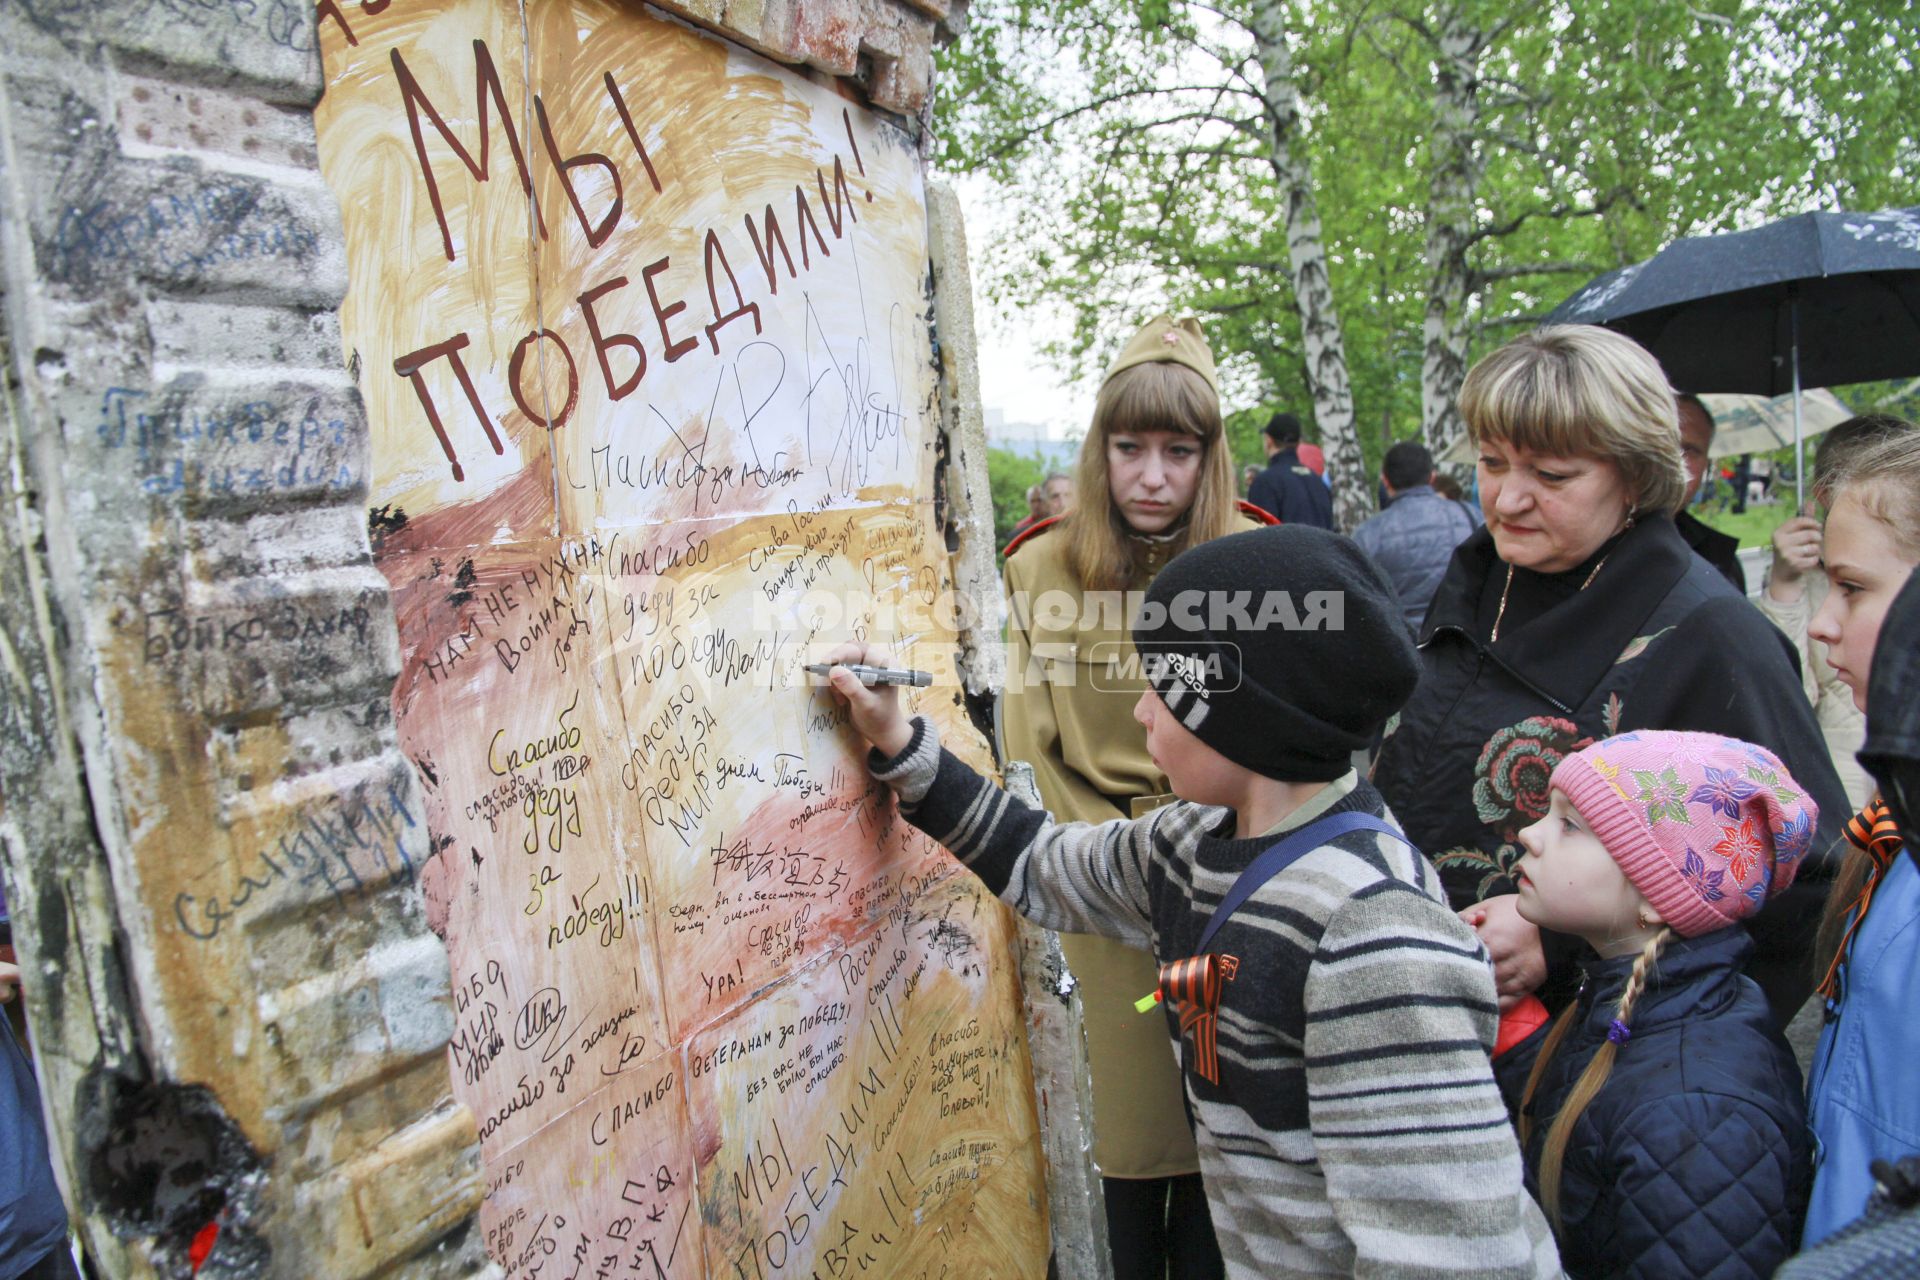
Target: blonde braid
(1553,1153)
(1549,1047)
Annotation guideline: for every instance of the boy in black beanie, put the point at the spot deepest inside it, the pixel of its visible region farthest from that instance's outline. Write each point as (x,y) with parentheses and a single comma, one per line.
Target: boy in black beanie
(1333,1016)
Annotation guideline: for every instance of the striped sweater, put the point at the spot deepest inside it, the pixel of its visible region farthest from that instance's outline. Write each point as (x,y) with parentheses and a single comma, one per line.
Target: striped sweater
(1356,1128)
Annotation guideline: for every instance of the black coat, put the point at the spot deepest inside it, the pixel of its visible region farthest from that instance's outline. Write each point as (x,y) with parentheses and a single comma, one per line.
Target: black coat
(1891,752)
(1721,550)
(1660,641)
(1694,1159)
(1289,490)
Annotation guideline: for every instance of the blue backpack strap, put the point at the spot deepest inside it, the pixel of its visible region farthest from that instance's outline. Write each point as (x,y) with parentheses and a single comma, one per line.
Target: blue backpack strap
(1272,861)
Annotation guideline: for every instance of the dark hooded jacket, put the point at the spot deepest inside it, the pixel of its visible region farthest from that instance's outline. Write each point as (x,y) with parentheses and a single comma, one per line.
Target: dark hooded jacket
(1660,641)
(1891,752)
(1693,1159)
(1721,550)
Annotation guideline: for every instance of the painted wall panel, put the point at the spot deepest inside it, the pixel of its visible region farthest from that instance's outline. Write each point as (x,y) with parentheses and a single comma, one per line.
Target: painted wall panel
(642,323)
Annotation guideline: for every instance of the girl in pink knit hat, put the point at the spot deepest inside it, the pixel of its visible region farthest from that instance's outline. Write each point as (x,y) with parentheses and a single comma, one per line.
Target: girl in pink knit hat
(1662,1119)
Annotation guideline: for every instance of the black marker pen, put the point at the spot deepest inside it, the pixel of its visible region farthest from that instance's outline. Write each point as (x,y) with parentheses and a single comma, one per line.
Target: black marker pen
(871,676)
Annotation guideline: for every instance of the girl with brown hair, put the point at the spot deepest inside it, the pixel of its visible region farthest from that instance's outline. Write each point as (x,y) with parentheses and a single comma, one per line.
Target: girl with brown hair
(1153,478)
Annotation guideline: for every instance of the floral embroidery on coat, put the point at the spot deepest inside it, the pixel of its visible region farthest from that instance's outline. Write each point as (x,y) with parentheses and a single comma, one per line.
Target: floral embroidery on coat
(1510,778)
(1510,792)
(1639,645)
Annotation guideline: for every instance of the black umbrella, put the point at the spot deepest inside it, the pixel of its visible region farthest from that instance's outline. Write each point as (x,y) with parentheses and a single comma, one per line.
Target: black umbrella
(1822,299)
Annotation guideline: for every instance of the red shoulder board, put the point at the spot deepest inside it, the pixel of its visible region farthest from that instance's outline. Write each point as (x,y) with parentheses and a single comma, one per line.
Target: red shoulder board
(1259,515)
(1015,543)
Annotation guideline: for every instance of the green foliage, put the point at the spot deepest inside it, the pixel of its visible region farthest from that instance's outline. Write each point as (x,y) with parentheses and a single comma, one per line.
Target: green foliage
(1130,137)
(1243,435)
(1009,476)
(1753,527)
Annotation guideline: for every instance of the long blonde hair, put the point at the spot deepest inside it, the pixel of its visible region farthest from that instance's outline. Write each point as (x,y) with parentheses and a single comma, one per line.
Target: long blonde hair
(1881,472)
(1553,1152)
(1156,396)
(1880,469)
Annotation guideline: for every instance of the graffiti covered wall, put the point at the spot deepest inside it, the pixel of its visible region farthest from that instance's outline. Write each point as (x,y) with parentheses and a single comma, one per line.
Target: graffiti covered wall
(642,325)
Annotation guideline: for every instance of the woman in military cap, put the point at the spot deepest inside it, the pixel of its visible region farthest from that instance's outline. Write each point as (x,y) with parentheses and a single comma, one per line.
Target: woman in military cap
(1154,477)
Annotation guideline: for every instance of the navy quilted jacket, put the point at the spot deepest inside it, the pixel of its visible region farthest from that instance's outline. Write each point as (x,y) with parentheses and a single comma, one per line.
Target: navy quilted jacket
(1693,1161)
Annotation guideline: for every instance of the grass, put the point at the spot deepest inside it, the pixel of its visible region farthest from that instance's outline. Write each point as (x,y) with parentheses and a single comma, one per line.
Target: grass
(1754,526)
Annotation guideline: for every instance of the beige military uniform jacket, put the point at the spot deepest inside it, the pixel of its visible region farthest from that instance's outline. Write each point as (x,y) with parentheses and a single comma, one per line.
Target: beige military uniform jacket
(1068,710)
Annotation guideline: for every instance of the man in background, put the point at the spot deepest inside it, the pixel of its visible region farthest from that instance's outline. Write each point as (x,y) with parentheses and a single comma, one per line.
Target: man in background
(1414,538)
(1036,511)
(1057,489)
(1720,550)
(1288,488)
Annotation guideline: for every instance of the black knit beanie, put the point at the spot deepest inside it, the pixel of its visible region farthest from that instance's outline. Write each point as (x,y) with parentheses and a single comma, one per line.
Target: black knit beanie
(1284,649)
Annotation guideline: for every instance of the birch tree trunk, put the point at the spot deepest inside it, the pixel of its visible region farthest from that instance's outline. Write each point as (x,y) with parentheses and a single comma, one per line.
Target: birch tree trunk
(1326,356)
(1452,188)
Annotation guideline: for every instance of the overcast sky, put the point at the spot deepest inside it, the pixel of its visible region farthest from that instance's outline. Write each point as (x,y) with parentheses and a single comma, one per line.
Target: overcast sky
(1014,378)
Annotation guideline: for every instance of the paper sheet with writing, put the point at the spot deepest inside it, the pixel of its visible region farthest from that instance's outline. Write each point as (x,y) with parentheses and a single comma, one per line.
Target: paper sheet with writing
(642,326)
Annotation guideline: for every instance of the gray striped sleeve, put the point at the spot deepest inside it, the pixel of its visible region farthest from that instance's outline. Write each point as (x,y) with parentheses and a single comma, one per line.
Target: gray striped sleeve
(1077,877)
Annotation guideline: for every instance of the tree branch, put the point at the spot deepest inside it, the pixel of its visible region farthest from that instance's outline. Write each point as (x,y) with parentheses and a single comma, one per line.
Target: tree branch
(1510,321)
(1517,270)
(1219,151)
(1514,143)
(1560,212)
(1234,308)
(1392,59)
(1014,141)
(1203,263)
(1248,125)
(1498,31)
(1226,16)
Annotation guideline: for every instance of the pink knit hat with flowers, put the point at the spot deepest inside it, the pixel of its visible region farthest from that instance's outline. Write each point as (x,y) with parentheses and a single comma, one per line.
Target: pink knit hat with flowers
(1707,828)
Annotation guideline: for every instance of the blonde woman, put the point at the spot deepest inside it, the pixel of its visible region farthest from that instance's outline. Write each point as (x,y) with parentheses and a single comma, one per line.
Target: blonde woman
(1796,589)
(1863,1104)
(1578,613)
(1153,478)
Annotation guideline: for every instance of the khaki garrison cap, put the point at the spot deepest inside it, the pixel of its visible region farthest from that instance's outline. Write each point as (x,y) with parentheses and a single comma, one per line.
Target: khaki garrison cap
(1165,340)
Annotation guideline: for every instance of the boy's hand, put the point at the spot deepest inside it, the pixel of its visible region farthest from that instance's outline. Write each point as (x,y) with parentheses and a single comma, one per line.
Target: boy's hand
(1519,962)
(1796,553)
(876,711)
(9,980)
